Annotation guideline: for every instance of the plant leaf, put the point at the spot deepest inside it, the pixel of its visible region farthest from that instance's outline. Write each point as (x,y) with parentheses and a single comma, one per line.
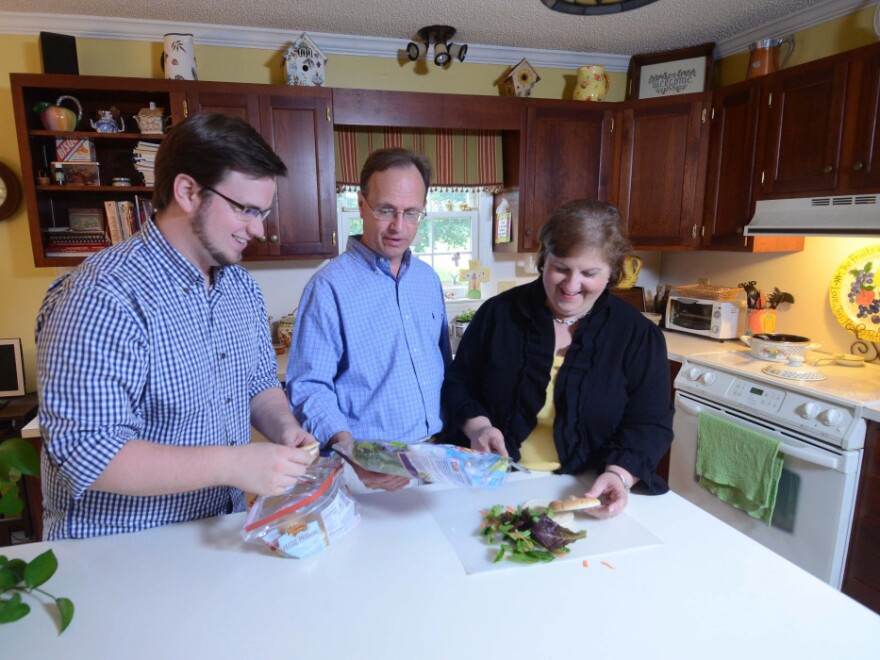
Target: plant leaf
(13,609)
(8,579)
(65,609)
(16,567)
(21,455)
(40,569)
(10,503)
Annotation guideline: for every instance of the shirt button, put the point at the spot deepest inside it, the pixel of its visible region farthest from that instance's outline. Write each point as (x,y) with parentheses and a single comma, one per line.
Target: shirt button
(186,290)
(228,400)
(222,356)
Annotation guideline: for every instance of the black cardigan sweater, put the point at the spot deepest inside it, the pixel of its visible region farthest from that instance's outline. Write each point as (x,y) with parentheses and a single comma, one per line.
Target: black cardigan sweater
(612,392)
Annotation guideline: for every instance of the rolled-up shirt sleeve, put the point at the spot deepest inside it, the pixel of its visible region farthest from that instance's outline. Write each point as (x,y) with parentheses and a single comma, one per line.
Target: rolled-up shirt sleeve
(93,361)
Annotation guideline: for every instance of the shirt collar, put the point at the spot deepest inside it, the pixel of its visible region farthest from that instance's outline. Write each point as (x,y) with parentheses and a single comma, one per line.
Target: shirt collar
(372,259)
(182,268)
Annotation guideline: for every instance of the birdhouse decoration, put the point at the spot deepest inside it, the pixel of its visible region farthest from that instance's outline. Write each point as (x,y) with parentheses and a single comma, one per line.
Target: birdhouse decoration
(521,79)
(304,63)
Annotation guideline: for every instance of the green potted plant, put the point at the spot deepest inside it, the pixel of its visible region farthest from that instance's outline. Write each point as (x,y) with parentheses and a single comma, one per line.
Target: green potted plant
(18,577)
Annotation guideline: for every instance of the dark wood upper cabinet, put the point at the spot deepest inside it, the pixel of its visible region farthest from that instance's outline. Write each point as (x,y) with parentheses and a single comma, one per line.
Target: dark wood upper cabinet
(567,156)
(860,163)
(298,126)
(803,129)
(661,172)
(730,173)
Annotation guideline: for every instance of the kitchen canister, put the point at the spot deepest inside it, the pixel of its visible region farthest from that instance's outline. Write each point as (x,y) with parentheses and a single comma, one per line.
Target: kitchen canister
(592,83)
(179,57)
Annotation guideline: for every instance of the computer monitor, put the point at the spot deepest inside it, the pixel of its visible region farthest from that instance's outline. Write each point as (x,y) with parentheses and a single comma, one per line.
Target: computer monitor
(11,368)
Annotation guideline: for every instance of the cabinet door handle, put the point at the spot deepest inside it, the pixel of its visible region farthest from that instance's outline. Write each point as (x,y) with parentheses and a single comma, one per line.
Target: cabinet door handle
(262,239)
(528,233)
(273,238)
(858,165)
(828,169)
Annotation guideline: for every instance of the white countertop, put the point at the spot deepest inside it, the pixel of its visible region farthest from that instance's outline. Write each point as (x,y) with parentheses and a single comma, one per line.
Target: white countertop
(394,588)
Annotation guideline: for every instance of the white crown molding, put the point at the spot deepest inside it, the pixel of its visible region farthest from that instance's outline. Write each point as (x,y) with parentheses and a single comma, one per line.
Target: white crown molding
(98,27)
(815,15)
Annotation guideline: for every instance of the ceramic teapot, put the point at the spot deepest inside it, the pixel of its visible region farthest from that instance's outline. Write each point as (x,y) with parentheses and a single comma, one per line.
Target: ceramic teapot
(764,55)
(57,118)
(150,120)
(107,124)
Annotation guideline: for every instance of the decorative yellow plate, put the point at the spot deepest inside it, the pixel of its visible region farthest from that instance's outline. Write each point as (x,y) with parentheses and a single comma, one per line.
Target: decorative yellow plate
(854,300)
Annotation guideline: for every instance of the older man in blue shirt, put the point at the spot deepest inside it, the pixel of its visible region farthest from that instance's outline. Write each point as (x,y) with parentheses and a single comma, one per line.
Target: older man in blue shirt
(371,344)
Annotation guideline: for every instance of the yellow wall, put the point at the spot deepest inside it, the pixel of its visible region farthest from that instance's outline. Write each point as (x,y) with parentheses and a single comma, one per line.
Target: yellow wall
(22,286)
(841,34)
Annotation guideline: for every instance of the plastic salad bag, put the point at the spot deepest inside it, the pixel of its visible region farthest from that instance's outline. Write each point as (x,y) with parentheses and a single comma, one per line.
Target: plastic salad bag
(446,464)
(318,511)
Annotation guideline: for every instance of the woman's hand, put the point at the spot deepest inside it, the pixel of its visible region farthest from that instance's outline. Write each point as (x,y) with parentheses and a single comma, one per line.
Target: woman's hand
(484,436)
(612,488)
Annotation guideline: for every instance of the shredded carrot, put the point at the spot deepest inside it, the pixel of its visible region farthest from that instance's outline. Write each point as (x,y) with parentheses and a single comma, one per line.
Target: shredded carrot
(511,509)
(606,564)
(586,563)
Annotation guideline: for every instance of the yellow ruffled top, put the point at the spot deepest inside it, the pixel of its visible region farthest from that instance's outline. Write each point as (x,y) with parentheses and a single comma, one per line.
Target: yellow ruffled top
(538,450)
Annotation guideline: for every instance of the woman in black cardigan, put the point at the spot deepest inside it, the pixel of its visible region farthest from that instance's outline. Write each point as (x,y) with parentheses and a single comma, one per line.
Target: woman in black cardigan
(559,374)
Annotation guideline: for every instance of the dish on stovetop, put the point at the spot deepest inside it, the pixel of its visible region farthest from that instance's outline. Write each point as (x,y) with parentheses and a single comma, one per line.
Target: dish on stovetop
(794,370)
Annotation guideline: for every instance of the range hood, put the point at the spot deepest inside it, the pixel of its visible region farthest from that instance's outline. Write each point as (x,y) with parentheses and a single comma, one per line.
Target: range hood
(846,215)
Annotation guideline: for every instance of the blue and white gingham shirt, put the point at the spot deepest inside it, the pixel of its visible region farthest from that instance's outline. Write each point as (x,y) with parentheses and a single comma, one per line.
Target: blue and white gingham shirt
(131,345)
(369,351)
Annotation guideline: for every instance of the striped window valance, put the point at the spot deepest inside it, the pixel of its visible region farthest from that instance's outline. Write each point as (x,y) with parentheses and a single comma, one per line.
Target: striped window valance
(460,158)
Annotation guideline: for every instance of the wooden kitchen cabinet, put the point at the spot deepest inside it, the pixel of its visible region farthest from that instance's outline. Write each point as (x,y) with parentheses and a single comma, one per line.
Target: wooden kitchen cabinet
(660,167)
(49,205)
(860,159)
(567,156)
(801,135)
(297,122)
(861,577)
(730,174)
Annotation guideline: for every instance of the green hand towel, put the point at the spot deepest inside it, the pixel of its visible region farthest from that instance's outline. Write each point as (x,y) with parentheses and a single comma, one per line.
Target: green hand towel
(740,466)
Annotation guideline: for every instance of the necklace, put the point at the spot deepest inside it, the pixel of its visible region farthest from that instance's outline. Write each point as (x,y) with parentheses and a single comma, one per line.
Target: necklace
(560,321)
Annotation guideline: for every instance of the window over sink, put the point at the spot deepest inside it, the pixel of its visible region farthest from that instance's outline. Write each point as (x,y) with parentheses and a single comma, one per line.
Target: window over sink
(448,235)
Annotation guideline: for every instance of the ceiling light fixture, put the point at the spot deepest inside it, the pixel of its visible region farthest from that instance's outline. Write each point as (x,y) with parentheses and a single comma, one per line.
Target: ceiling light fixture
(595,7)
(438,36)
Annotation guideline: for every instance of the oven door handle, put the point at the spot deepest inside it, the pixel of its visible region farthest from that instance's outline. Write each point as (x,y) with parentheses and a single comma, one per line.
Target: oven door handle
(823,459)
(815,457)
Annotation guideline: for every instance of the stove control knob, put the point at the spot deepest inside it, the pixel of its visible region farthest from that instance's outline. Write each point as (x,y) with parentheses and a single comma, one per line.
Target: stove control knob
(707,378)
(809,410)
(830,417)
(693,373)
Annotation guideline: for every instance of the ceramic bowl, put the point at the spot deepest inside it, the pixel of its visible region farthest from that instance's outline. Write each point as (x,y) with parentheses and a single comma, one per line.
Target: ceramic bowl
(778,347)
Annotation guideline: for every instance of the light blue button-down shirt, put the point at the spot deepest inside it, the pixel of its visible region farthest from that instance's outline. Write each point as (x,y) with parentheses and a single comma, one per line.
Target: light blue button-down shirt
(131,345)
(369,350)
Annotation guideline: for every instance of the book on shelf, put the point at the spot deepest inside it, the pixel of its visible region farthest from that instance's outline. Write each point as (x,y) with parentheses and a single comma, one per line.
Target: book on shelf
(125,210)
(144,208)
(64,242)
(114,227)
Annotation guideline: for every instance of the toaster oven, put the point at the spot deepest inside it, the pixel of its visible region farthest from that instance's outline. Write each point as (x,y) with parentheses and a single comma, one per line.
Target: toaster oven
(715,319)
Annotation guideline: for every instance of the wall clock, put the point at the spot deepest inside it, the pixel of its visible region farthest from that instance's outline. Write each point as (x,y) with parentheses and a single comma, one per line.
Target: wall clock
(10,192)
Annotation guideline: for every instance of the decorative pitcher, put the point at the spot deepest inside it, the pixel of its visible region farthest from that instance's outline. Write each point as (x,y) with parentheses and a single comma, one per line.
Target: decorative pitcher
(764,56)
(57,118)
(179,57)
(592,83)
(632,265)
(107,123)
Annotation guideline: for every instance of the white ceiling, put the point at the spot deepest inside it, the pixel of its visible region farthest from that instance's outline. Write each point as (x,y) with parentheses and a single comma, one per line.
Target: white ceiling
(524,24)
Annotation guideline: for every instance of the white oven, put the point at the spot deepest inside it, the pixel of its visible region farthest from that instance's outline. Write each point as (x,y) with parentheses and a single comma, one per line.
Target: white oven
(821,438)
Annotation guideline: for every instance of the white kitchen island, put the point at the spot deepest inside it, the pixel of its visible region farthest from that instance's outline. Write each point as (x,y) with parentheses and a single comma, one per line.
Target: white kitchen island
(395,588)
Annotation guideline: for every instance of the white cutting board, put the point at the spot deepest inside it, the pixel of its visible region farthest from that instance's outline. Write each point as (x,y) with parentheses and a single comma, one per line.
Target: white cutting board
(457,512)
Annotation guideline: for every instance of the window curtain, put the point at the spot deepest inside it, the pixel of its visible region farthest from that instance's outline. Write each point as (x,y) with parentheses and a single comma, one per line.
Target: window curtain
(462,159)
